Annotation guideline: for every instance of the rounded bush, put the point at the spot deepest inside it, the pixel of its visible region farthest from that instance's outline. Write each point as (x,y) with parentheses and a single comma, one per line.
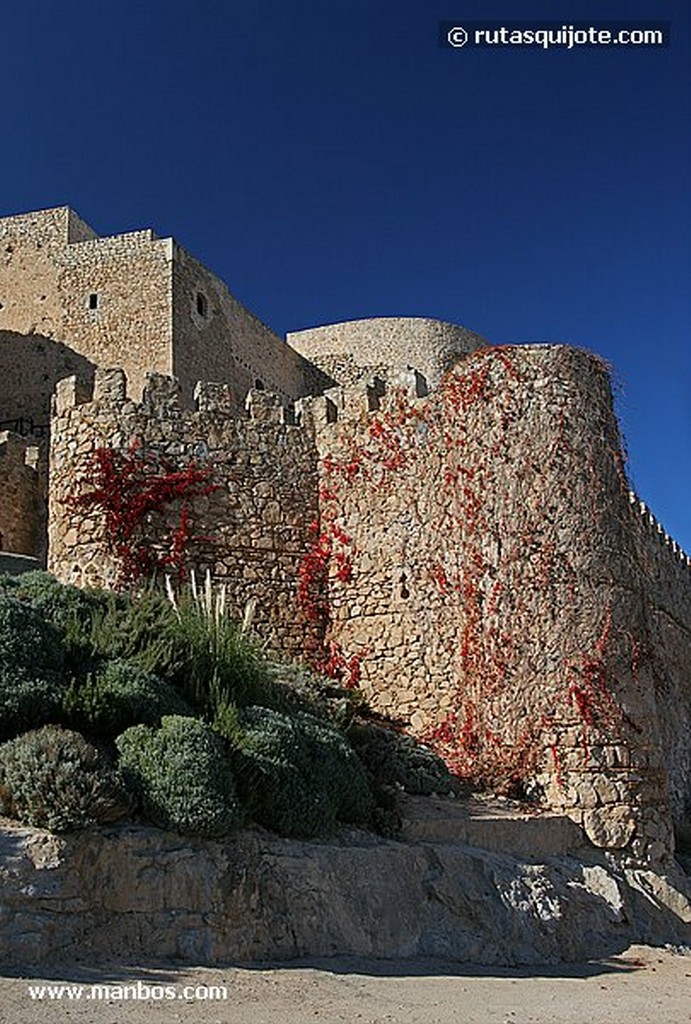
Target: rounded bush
(297,774)
(27,640)
(28,701)
(55,601)
(53,778)
(120,695)
(31,668)
(181,776)
(394,759)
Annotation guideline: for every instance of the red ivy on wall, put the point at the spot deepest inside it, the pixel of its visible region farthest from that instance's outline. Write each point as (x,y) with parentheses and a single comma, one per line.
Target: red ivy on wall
(380,458)
(129,490)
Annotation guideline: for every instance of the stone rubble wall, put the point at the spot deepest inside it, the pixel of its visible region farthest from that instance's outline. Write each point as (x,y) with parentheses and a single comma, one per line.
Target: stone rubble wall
(484,565)
(145,318)
(130,275)
(479,564)
(20,493)
(229,343)
(251,532)
(665,575)
(30,367)
(50,265)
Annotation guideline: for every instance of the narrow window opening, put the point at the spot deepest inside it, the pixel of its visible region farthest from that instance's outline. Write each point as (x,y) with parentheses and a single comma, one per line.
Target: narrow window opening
(202,305)
(93,301)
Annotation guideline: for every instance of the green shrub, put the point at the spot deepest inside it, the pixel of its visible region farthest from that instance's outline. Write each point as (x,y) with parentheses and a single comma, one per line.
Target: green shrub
(31,668)
(57,602)
(297,774)
(181,776)
(27,640)
(298,687)
(216,661)
(139,629)
(52,778)
(70,609)
(119,695)
(27,701)
(395,759)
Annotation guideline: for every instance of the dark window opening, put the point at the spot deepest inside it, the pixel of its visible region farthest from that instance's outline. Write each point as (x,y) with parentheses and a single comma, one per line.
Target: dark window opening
(202,305)
(93,301)
(259,384)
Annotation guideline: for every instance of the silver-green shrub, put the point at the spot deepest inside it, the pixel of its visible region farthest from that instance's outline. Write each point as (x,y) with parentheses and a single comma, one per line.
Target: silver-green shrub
(53,778)
(119,695)
(395,759)
(181,776)
(297,774)
(32,659)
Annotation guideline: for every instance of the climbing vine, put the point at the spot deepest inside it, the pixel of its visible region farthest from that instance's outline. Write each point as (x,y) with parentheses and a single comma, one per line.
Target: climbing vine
(490,548)
(132,490)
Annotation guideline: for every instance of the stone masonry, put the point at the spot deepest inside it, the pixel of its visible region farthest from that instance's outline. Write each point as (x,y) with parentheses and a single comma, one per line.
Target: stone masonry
(444,523)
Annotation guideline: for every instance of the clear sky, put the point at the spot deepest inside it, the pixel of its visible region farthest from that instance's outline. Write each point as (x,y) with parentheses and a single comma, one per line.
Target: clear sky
(330,161)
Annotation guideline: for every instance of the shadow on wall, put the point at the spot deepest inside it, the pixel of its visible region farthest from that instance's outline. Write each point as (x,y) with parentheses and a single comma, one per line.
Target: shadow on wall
(30,367)
(15,565)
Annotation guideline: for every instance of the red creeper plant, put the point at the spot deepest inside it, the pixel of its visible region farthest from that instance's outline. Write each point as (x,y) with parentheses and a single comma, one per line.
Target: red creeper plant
(129,490)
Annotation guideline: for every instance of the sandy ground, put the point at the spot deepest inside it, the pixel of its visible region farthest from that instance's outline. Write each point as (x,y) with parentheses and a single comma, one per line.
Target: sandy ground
(641,986)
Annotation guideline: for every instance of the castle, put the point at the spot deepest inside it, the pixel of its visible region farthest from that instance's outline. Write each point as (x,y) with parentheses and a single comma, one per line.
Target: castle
(444,522)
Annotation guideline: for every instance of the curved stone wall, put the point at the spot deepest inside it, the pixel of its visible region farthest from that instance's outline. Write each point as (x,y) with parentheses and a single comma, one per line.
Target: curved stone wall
(357,348)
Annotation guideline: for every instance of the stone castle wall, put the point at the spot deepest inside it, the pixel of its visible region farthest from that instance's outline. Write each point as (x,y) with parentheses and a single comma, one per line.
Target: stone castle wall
(20,493)
(478,566)
(357,350)
(227,342)
(665,579)
(451,527)
(484,573)
(251,532)
(106,299)
(30,367)
(136,301)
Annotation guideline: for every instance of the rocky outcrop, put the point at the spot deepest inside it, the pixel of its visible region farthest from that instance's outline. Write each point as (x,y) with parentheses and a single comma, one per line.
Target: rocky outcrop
(137,892)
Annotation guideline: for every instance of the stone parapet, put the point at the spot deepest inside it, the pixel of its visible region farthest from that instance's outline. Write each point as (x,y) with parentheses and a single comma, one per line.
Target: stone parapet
(250,530)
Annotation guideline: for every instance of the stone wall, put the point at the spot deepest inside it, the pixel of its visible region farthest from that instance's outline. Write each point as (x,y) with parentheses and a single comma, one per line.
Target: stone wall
(117,303)
(216,338)
(20,524)
(30,301)
(30,367)
(484,578)
(665,580)
(251,532)
(479,564)
(108,299)
(360,349)
(139,302)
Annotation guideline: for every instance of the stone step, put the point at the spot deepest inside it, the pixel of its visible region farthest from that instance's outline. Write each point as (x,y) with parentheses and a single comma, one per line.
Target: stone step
(496,826)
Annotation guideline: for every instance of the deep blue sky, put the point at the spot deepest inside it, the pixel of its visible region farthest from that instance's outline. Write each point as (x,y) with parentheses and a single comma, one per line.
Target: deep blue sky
(330,161)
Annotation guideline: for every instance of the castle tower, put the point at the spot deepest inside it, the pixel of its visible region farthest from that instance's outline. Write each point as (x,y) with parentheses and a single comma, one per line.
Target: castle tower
(71,300)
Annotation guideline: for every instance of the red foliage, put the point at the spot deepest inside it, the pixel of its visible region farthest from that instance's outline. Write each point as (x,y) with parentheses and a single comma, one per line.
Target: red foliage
(129,490)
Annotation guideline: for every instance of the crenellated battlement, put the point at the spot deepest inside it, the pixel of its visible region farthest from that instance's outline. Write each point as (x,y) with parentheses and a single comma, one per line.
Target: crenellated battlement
(108,395)
(656,530)
(445,523)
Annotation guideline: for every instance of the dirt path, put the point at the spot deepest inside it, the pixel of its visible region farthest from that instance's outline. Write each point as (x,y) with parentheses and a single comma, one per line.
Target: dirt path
(642,986)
